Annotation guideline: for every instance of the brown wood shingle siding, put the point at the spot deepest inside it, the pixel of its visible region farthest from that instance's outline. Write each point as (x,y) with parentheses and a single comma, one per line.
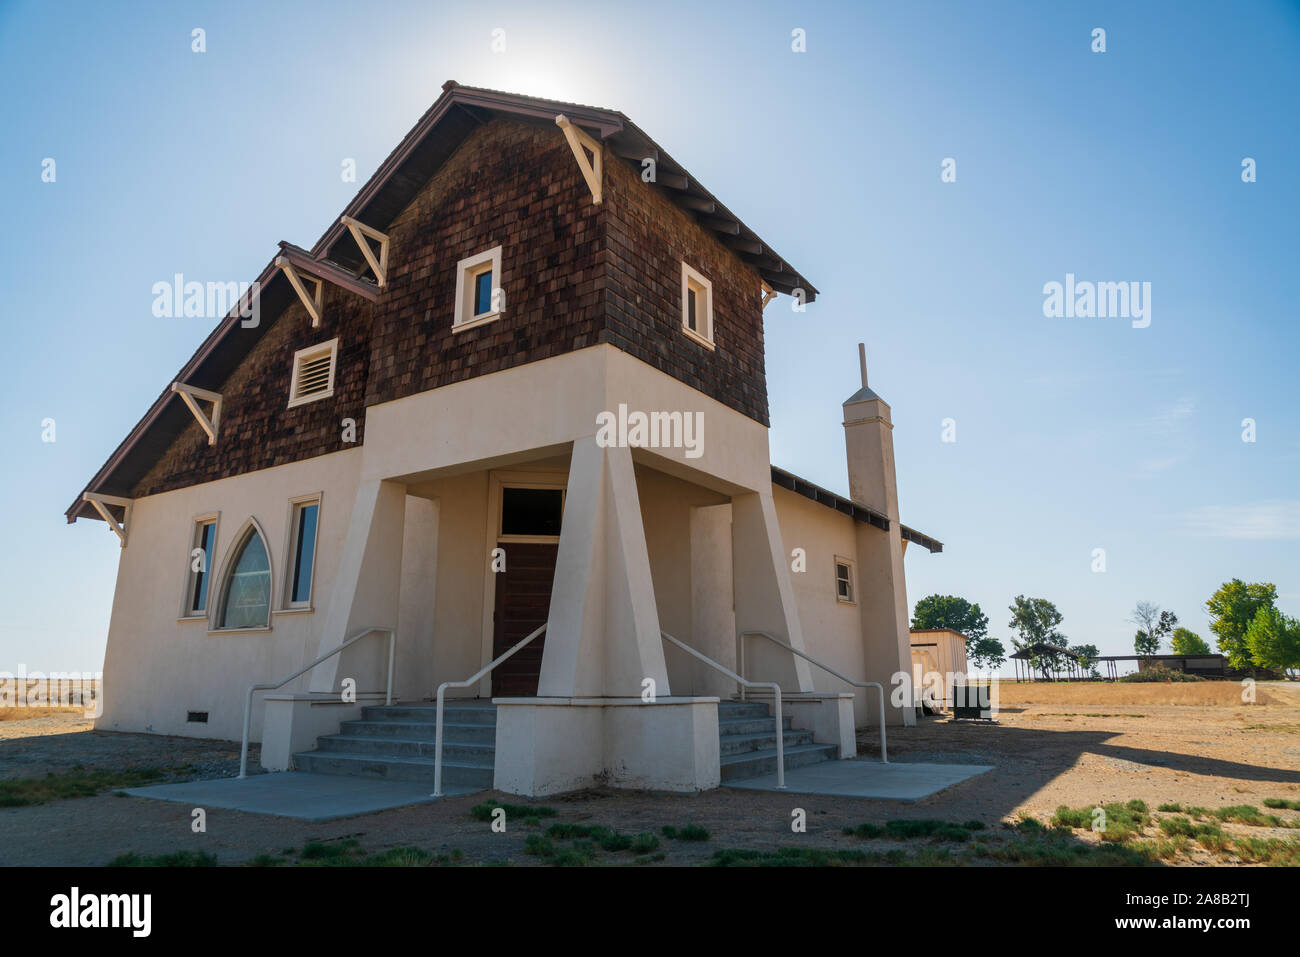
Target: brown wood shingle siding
(511,185)
(258,430)
(574,274)
(648,238)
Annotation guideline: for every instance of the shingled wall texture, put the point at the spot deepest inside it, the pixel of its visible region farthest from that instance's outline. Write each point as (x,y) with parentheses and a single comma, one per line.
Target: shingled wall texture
(574,274)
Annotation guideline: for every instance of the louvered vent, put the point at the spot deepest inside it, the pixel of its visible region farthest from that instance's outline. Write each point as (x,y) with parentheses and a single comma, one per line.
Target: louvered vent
(313,373)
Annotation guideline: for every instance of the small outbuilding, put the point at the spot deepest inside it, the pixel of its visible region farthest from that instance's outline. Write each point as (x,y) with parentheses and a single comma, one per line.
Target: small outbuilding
(937,654)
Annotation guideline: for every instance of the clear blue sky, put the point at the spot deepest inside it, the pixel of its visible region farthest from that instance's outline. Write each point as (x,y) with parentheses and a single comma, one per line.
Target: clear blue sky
(1072,434)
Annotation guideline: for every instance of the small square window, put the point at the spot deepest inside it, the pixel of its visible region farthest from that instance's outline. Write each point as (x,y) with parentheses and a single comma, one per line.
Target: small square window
(697,306)
(479,297)
(844,581)
(313,373)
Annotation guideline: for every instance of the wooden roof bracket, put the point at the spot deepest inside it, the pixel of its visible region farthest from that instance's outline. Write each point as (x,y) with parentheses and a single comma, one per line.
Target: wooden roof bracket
(768,293)
(592,168)
(312,302)
(101,502)
(362,234)
(192,394)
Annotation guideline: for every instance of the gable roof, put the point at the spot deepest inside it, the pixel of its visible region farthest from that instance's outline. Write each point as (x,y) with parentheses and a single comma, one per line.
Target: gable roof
(437,135)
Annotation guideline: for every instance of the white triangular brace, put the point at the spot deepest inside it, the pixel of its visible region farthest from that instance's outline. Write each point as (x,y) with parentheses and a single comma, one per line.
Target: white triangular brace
(591,166)
(101,503)
(191,394)
(312,302)
(363,234)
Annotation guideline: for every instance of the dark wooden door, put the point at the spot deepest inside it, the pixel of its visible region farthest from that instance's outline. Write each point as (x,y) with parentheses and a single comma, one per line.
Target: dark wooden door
(522,602)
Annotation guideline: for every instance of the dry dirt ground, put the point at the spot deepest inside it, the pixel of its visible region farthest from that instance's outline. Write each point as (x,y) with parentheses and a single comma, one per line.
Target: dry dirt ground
(1071,744)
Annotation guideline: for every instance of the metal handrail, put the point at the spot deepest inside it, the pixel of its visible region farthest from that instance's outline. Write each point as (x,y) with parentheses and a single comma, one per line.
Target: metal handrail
(248,703)
(437,739)
(776,691)
(880,689)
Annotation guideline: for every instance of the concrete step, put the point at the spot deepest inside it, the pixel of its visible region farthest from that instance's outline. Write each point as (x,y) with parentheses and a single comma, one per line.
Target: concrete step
(743,743)
(407,748)
(742,709)
(428,713)
(422,731)
(388,767)
(751,764)
(754,725)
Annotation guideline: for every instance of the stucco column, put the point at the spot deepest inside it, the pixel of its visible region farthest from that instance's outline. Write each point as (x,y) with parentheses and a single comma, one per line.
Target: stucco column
(602,634)
(366,590)
(765,593)
(882,589)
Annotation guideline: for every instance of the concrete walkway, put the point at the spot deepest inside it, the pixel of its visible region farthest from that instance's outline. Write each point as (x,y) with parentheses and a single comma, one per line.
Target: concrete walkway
(308,797)
(867,778)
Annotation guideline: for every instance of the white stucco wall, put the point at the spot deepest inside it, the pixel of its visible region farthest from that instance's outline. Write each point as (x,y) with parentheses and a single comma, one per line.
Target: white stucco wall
(832,629)
(157,668)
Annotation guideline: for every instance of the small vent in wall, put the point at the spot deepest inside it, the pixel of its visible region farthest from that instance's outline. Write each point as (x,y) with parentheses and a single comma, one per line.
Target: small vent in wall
(313,373)
(196,717)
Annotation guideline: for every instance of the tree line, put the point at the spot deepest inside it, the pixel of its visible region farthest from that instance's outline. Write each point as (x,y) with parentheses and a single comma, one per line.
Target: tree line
(1249,629)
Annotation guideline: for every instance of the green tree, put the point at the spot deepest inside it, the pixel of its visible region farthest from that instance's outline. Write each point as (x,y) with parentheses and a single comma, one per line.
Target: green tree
(1233,607)
(1089,654)
(985,653)
(1037,621)
(1188,642)
(1274,640)
(1154,626)
(950,611)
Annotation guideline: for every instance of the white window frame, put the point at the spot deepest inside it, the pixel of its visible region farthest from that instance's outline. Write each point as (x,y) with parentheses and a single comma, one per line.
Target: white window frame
(466,270)
(853,580)
(286,593)
(703,317)
(306,355)
(188,611)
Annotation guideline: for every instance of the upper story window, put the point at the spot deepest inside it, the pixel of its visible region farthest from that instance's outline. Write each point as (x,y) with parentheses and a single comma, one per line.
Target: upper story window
(844,580)
(246,591)
(203,539)
(302,551)
(697,306)
(313,373)
(479,296)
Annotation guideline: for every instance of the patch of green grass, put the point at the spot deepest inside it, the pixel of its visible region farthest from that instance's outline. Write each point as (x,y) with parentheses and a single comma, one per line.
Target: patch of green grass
(1249,814)
(644,843)
(529,812)
(1175,808)
(538,845)
(330,851)
(578,854)
(1122,822)
(1058,848)
(1161,849)
(904,830)
(266,860)
(19,792)
(691,832)
(650,858)
(1282,804)
(794,857)
(178,859)
(1279,853)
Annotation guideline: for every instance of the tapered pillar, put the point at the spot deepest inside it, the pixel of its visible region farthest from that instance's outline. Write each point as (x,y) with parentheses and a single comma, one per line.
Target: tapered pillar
(869,442)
